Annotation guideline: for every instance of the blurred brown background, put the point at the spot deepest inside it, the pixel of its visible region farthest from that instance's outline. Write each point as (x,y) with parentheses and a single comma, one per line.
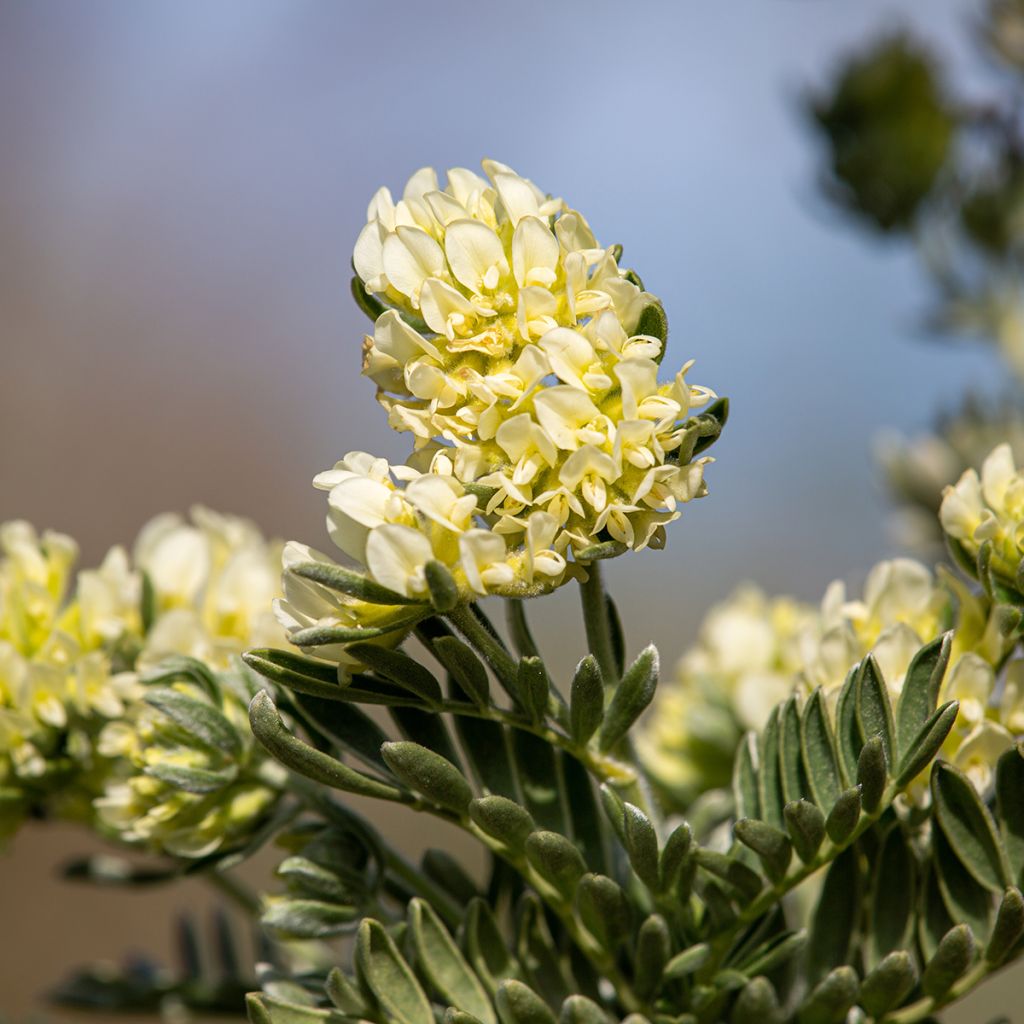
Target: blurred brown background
(180,187)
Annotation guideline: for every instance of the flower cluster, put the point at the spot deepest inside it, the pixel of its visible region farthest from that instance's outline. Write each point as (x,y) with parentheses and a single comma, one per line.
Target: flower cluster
(524,363)
(406,527)
(753,652)
(187,776)
(523,359)
(918,469)
(984,517)
(71,645)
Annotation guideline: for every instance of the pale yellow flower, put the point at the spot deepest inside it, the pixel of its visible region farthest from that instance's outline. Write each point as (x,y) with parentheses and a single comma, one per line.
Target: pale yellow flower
(989,510)
(510,347)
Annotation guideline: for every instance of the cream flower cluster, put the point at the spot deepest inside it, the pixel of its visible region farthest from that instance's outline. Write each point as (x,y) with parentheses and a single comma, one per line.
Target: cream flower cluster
(184,791)
(753,652)
(510,344)
(71,645)
(989,511)
(396,522)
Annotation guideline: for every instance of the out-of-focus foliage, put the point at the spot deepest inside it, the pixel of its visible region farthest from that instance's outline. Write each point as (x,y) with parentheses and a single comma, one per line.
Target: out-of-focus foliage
(889,127)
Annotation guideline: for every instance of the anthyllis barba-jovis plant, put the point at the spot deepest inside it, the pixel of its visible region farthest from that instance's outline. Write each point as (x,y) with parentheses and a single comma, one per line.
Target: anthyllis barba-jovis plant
(821,819)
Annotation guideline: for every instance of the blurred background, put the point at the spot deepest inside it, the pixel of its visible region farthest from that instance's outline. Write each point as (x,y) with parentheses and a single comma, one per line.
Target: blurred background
(180,187)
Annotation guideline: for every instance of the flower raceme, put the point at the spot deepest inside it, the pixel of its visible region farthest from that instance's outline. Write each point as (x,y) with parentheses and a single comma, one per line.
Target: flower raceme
(413,532)
(524,360)
(983,517)
(753,652)
(72,646)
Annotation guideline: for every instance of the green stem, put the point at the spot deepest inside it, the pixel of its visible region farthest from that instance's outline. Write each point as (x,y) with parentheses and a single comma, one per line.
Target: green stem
(598,625)
(772,895)
(501,662)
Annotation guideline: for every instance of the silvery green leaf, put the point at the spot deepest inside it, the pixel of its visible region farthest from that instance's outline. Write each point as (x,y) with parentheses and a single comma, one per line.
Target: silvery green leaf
(630,699)
(604,909)
(581,1010)
(653,323)
(306,877)
(710,424)
(354,584)
(485,947)
(954,955)
(966,900)
(192,780)
(443,966)
(263,1009)
(843,817)
(689,961)
(744,779)
(920,693)
(308,919)
(344,994)
(641,845)
(368,303)
(556,860)
(402,670)
(806,826)
(518,1004)
(894,886)
(674,857)
(533,687)
(615,811)
(872,773)
(389,977)
(794,785)
(772,954)
(199,718)
(544,968)
(969,827)
(831,999)
(465,667)
(746,882)
(848,735)
(296,672)
(598,552)
(428,773)
(770,796)
(771,845)
(319,636)
(441,586)
(933,920)
(926,745)
(1010,809)
(270,730)
(821,759)
(757,1003)
(653,947)
(1009,927)
(874,711)
(834,922)
(888,983)
(586,700)
(502,819)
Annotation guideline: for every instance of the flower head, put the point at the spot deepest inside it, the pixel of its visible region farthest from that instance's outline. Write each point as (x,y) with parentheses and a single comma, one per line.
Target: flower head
(524,360)
(187,776)
(752,653)
(984,518)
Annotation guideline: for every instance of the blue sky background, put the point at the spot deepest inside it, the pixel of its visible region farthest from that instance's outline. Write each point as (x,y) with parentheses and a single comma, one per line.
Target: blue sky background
(181,184)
